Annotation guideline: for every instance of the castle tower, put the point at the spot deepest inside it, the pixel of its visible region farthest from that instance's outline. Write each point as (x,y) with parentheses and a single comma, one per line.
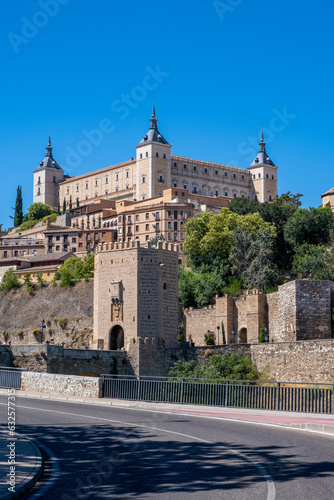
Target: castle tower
(135,294)
(153,163)
(264,174)
(46,179)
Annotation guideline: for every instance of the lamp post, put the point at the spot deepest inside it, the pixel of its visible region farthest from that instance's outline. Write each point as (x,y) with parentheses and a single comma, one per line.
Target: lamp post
(218,328)
(42,328)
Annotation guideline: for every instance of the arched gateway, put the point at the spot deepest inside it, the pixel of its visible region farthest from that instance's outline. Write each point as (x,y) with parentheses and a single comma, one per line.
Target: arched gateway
(116,338)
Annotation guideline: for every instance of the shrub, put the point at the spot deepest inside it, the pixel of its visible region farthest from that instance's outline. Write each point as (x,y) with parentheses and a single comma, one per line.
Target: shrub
(209,338)
(5,334)
(28,283)
(48,322)
(19,332)
(35,354)
(62,322)
(207,353)
(9,281)
(36,331)
(40,281)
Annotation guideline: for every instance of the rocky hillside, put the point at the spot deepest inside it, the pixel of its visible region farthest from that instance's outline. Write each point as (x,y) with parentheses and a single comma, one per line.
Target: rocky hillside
(68,315)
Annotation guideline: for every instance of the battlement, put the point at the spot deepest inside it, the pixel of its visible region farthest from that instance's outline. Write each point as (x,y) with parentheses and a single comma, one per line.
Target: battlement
(126,245)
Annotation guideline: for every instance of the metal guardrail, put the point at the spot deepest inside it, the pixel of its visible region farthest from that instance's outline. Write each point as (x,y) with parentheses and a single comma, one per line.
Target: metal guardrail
(10,378)
(311,398)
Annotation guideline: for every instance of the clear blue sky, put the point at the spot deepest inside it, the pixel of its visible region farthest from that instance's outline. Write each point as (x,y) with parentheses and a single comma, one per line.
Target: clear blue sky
(223,68)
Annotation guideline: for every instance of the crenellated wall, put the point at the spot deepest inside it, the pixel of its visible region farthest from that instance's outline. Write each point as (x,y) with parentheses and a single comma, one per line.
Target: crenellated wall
(300,310)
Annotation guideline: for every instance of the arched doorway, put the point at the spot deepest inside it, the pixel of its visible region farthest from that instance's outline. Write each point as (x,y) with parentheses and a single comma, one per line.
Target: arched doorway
(116,338)
(243,336)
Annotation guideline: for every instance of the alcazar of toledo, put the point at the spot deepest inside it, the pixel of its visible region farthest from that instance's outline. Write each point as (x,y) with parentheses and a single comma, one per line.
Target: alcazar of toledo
(195,184)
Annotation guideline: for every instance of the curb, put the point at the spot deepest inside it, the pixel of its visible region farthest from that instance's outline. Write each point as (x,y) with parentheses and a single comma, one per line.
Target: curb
(33,477)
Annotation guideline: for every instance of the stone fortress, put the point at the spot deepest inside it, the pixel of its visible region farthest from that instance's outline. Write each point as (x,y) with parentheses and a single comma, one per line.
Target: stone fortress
(152,171)
(135,294)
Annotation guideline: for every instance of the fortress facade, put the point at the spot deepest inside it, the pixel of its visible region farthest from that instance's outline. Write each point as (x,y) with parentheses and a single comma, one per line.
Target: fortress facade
(153,170)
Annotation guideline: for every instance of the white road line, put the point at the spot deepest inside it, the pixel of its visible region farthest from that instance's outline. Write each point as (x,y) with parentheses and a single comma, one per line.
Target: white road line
(268,478)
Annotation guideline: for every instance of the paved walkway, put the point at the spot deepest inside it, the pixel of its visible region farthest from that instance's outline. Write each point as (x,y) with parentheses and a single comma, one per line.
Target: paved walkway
(28,464)
(29,460)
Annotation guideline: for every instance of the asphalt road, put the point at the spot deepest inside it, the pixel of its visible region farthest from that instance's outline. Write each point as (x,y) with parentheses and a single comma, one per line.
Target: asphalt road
(109,452)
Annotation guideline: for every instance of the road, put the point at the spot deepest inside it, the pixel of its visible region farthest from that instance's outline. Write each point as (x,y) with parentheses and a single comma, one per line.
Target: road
(113,452)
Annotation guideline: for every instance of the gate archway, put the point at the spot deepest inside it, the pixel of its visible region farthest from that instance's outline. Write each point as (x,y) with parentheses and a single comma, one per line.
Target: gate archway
(116,338)
(243,336)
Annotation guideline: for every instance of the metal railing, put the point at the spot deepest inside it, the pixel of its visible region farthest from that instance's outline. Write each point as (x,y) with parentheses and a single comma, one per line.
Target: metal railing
(283,396)
(10,378)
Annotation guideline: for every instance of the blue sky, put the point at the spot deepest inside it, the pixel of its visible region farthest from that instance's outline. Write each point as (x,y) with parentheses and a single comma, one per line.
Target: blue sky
(216,70)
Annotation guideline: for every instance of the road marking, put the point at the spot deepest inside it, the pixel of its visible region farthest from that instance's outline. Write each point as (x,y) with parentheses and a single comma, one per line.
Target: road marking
(54,474)
(268,478)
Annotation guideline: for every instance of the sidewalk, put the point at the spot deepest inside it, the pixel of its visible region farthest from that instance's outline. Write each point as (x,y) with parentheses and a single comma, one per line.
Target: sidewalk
(28,464)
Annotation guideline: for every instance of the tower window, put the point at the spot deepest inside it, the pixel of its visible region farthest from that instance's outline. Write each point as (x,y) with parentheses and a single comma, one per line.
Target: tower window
(68,190)
(141,156)
(165,155)
(175,164)
(146,154)
(86,185)
(206,170)
(253,176)
(272,177)
(216,172)
(157,154)
(54,179)
(77,188)
(184,166)
(116,177)
(95,182)
(38,191)
(267,176)
(259,176)
(194,168)
(234,176)
(226,193)
(106,180)
(216,193)
(127,174)
(143,179)
(225,174)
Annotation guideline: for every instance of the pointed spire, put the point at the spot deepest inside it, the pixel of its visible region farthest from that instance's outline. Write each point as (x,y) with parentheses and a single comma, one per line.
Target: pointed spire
(262,144)
(153,119)
(49,147)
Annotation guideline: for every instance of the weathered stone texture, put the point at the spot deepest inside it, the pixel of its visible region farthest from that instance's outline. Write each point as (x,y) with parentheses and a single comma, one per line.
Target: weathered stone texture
(46,383)
(306,361)
(300,310)
(146,284)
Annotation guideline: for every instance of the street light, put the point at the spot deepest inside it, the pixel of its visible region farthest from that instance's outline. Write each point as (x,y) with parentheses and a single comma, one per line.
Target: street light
(42,328)
(218,328)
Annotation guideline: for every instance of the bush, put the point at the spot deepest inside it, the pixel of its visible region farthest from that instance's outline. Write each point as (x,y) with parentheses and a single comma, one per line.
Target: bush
(36,331)
(209,338)
(9,281)
(5,335)
(221,366)
(28,283)
(19,332)
(62,322)
(73,270)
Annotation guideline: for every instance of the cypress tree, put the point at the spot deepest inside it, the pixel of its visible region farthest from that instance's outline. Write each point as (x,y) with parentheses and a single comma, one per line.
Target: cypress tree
(18,215)
(70,202)
(64,206)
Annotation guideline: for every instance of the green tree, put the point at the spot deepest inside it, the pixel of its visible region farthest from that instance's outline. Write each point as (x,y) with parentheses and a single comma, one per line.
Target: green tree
(313,226)
(18,214)
(9,281)
(64,206)
(213,233)
(244,206)
(155,239)
(70,205)
(313,261)
(28,283)
(261,272)
(73,270)
(37,211)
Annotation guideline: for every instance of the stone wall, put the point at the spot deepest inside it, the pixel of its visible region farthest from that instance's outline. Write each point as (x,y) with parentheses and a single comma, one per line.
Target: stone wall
(300,310)
(87,362)
(46,383)
(305,361)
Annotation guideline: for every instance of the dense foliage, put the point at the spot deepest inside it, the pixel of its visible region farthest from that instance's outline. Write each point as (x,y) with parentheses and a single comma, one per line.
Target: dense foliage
(73,270)
(255,245)
(220,366)
(9,281)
